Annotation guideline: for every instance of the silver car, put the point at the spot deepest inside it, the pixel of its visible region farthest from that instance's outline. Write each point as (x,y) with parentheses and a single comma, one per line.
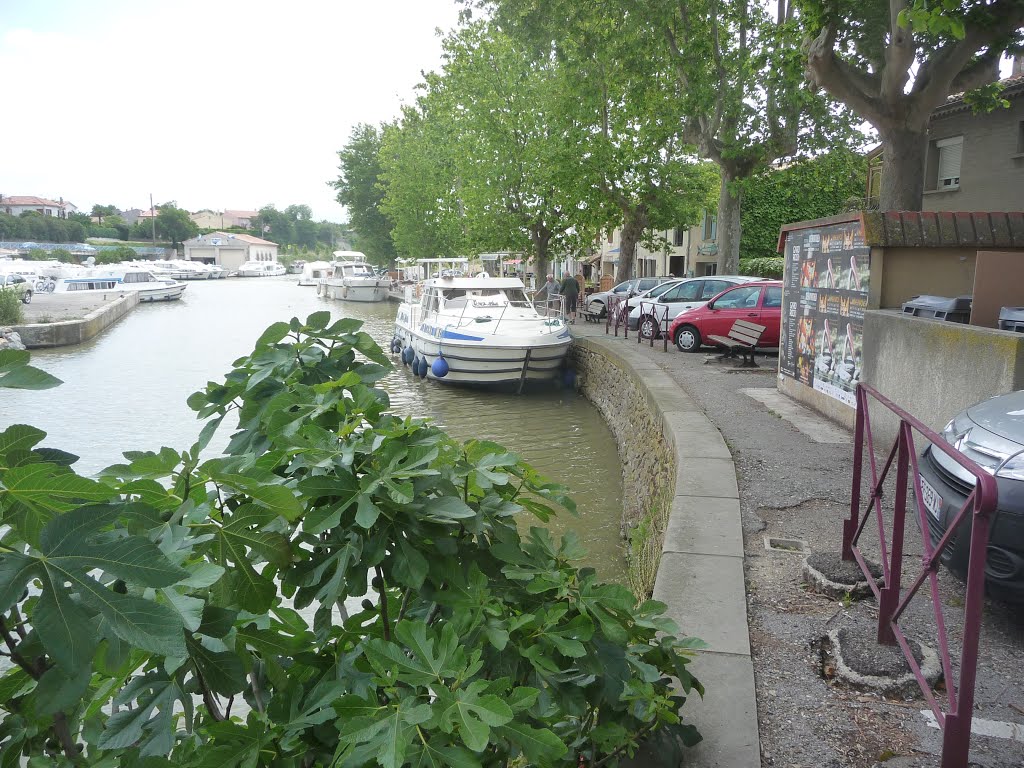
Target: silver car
(990,433)
(648,314)
(597,303)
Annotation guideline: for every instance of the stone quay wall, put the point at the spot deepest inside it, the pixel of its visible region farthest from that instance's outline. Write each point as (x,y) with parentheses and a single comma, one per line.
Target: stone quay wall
(68,332)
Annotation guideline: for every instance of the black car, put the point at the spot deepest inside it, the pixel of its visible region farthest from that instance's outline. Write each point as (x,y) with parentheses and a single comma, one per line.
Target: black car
(991,434)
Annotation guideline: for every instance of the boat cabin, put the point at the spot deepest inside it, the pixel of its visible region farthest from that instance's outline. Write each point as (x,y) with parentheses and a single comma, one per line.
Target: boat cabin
(353,270)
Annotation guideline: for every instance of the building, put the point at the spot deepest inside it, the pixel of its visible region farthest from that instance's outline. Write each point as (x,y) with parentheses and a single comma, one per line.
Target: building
(975,161)
(229,250)
(689,251)
(229,219)
(15,205)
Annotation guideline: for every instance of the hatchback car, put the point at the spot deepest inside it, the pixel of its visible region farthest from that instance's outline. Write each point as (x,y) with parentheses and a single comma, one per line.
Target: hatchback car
(990,433)
(19,285)
(759,302)
(648,312)
(597,303)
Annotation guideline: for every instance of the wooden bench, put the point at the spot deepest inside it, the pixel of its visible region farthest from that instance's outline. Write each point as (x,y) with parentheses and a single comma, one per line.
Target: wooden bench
(742,338)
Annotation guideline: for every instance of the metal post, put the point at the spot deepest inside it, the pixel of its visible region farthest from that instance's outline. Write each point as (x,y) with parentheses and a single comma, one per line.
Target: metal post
(889,598)
(850,524)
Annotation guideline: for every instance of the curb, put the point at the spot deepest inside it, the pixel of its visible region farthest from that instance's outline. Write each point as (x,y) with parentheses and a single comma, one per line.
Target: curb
(700,577)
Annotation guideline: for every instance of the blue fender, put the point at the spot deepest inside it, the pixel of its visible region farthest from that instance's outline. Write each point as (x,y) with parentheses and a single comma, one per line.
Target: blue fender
(439,368)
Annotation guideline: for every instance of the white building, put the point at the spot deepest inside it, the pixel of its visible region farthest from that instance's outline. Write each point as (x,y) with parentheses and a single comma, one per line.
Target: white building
(229,250)
(15,205)
(692,252)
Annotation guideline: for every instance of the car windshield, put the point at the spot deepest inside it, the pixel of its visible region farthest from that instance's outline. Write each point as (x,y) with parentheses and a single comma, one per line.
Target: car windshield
(658,290)
(623,287)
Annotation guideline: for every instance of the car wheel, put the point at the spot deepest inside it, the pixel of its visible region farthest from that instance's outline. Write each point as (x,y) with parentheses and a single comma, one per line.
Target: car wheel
(648,327)
(27,298)
(687,338)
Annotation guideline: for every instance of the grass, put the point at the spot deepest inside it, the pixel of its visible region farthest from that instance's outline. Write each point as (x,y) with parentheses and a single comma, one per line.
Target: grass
(10,308)
(646,540)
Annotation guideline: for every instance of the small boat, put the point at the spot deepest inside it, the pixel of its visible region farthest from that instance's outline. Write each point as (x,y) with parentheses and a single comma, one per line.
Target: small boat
(354,280)
(260,269)
(315,271)
(296,267)
(123,278)
(478,330)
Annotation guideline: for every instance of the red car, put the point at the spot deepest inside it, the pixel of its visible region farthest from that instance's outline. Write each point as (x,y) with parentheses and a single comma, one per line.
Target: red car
(759,302)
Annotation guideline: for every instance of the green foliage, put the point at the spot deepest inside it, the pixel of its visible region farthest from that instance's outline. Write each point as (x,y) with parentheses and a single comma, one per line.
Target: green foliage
(10,307)
(174,224)
(359,190)
(768,267)
(140,608)
(810,189)
(116,255)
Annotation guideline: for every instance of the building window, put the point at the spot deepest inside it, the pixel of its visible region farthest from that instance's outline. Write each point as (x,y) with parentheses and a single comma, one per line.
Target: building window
(949,154)
(709,268)
(710,226)
(677,237)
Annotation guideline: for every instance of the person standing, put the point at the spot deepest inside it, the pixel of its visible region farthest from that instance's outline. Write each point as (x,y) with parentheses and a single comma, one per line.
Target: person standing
(571,291)
(549,290)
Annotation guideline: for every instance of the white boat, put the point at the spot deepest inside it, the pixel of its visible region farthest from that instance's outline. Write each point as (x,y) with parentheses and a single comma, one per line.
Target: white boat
(478,330)
(123,278)
(260,269)
(315,271)
(354,280)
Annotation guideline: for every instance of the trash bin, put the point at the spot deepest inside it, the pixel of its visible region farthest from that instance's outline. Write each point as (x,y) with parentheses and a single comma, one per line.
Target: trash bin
(1011,319)
(953,310)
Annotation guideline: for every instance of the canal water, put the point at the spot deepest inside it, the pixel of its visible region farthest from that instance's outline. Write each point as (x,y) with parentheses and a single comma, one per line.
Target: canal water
(126,390)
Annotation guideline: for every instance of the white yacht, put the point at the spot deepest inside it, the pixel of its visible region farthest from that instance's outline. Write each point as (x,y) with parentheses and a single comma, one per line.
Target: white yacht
(315,271)
(260,269)
(478,330)
(123,278)
(354,280)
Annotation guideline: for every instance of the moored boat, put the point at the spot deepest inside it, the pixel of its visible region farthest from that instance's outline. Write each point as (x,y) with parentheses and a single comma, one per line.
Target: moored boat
(479,330)
(260,269)
(315,271)
(352,279)
(123,278)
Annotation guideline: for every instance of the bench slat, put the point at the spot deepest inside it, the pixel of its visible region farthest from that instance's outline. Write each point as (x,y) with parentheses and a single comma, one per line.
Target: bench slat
(748,326)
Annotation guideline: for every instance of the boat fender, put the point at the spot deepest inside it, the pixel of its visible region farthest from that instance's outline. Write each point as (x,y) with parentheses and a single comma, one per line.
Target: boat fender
(416,366)
(344,292)
(439,368)
(408,355)
(424,366)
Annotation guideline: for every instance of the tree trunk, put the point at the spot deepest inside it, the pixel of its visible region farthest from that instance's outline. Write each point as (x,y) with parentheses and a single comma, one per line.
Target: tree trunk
(903,169)
(728,240)
(540,250)
(633,225)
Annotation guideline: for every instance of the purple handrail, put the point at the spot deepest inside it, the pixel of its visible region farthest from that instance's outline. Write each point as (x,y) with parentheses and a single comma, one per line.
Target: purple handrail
(980,504)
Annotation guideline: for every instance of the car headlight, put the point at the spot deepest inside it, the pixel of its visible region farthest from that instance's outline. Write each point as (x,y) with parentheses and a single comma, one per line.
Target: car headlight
(1012,468)
(957,429)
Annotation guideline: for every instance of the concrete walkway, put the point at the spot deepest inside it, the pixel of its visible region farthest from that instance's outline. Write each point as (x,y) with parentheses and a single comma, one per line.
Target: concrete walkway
(700,578)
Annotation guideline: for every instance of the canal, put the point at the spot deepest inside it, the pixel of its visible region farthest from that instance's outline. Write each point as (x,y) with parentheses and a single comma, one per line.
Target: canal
(126,390)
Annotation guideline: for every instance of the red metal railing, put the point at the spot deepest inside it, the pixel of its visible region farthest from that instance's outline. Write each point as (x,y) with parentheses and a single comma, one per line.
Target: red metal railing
(618,315)
(892,601)
(649,313)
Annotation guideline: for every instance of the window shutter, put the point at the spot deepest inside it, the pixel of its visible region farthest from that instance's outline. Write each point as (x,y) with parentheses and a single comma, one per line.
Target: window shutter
(950,153)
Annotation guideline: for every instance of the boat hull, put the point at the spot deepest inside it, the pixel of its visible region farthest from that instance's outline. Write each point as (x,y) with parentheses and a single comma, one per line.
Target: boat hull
(169,293)
(493,361)
(356,291)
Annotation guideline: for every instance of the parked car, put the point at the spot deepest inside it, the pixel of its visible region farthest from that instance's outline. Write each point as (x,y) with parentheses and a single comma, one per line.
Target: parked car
(19,285)
(990,433)
(597,303)
(758,302)
(673,298)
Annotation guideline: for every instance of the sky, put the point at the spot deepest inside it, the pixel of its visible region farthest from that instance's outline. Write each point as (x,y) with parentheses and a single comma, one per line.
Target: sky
(219,104)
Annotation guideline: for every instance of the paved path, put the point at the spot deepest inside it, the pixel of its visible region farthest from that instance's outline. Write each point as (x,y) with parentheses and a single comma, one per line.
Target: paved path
(57,307)
(793,472)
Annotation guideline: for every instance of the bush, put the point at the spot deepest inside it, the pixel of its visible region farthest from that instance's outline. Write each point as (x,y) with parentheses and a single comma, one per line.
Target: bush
(116,254)
(10,307)
(766,267)
(168,592)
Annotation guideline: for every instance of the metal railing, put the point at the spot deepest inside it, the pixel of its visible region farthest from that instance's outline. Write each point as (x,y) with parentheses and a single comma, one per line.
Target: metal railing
(617,315)
(892,601)
(649,314)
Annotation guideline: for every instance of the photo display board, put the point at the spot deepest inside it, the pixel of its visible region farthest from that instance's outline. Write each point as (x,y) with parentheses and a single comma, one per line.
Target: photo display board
(826,293)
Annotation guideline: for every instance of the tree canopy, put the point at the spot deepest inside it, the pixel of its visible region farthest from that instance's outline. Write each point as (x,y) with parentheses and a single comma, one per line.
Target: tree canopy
(359,189)
(175,224)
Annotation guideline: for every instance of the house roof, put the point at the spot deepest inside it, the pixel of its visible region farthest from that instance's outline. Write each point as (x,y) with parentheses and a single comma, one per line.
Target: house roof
(1013,87)
(241,214)
(252,240)
(249,239)
(28,200)
(934,229)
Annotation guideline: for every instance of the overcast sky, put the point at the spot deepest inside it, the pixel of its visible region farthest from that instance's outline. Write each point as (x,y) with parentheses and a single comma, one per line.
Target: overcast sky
(214,104)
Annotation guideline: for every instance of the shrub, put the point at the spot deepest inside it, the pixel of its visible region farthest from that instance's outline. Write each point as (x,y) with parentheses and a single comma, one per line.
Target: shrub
(10,307)
(167,592)
(766,267)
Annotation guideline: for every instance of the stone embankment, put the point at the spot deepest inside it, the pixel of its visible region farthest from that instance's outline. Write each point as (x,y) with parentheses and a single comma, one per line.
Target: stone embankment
(90,315)
(675,459)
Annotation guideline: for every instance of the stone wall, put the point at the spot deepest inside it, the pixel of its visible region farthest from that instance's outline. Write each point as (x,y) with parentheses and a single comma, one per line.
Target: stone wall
(648,461)
(68,332)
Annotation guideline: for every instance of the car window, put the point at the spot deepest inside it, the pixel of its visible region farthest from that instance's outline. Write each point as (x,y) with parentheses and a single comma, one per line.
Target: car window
(658,290)
(686,292)
(647,285)
(773,296)
(623,287)
(738,298)
(713,287)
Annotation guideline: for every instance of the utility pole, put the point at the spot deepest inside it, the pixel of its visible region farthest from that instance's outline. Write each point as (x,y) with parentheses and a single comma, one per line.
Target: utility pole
(152,217)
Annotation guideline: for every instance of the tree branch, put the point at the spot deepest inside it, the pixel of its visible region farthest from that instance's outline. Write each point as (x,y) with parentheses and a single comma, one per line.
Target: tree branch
(828,71)
(899,54)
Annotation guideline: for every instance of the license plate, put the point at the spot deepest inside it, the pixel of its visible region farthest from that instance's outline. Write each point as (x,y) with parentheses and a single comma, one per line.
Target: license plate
(931,499)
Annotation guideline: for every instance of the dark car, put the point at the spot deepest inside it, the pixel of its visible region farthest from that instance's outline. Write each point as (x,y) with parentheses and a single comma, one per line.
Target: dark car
(991,434)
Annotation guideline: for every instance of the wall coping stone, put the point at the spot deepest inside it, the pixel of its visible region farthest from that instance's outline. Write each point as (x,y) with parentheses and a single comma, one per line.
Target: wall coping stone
(700,576)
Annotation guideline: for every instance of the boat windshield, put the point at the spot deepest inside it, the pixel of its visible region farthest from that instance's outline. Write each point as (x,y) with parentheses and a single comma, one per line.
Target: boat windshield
(358,270)
(484,297)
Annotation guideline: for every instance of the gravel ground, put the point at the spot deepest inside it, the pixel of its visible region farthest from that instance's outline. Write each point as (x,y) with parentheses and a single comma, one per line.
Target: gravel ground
(792,487)
(57,307)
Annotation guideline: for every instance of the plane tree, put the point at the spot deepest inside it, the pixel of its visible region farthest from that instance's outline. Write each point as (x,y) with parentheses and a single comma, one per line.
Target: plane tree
(359,189)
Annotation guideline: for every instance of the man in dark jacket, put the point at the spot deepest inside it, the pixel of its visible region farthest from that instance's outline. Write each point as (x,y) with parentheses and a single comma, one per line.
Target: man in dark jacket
(571,291)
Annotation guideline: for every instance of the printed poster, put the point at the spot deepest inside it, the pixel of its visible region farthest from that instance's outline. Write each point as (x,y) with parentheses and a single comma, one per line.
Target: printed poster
(825,296)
